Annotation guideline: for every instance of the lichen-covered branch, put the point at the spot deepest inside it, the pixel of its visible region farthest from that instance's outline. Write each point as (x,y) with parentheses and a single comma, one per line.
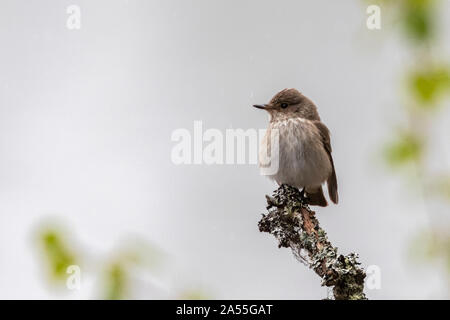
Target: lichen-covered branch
(295,226)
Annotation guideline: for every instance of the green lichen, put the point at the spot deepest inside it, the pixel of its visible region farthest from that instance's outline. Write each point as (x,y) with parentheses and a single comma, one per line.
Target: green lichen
(285,221)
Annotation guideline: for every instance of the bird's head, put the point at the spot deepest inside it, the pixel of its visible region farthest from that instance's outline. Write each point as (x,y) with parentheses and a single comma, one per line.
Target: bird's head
(289,103)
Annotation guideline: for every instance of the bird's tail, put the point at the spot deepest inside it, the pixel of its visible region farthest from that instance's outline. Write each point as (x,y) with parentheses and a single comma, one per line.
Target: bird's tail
(332,185)
(315,197)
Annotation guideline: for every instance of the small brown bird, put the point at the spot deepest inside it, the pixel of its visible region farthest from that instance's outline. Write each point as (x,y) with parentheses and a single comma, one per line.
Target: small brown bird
(304,149)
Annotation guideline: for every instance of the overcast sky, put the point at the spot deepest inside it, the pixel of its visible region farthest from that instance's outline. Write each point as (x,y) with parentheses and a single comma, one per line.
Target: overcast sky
(86,119)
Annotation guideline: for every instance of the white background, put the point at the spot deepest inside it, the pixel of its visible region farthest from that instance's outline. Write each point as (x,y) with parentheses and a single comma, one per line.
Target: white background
(86,118)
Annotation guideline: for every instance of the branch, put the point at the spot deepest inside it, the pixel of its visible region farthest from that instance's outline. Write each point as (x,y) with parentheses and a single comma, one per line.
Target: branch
(295,226)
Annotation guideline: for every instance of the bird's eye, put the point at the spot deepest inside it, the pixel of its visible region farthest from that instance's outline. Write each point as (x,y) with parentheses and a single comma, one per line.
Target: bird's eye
(284,105)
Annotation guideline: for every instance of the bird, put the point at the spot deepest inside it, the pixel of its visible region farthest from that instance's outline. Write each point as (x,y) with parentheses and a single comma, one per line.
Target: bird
(304,147)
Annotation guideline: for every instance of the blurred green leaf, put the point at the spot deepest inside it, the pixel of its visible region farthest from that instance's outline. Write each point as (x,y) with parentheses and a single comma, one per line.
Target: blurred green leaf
(130,254)
(405,149)
(417,18)
(139,252)
(194,294)
(116,282)
(431,246)
(429,85)
(58,254)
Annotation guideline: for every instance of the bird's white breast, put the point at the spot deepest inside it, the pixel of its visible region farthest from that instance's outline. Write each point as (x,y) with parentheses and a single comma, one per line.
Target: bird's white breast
(303,160)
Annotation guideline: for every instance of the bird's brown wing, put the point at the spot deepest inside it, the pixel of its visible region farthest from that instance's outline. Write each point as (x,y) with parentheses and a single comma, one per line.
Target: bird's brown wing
(332,180)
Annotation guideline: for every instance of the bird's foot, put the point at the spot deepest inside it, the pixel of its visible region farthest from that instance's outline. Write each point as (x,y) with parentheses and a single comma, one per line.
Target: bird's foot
(303,196)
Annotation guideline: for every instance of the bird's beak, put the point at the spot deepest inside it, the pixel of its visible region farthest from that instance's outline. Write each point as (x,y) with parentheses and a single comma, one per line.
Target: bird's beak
(260,106)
